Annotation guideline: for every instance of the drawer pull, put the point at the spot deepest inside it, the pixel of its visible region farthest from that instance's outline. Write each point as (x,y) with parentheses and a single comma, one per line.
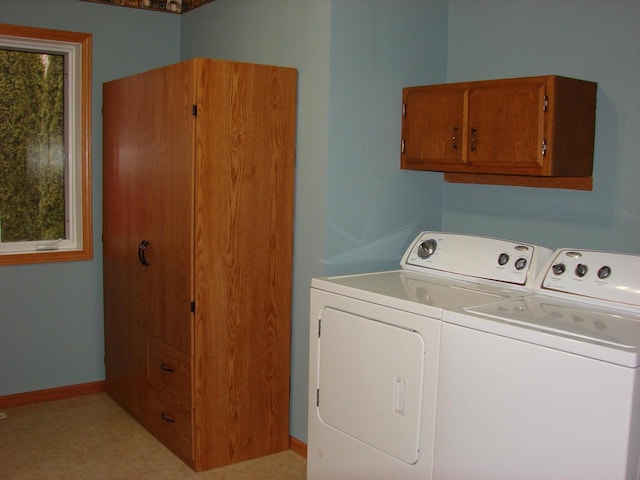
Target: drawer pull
(166,368)
(167,418)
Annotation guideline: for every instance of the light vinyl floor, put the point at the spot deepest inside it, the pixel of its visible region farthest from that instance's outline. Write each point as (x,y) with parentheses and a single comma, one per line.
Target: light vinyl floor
(90,437)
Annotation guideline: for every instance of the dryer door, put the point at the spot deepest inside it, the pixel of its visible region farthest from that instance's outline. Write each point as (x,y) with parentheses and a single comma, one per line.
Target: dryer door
(370,382)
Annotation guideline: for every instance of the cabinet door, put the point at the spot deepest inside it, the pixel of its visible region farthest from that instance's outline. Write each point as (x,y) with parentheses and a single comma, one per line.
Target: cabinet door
(506,127)
(532,131)
(432,127)
(169,150)
(125,225)
(148,169)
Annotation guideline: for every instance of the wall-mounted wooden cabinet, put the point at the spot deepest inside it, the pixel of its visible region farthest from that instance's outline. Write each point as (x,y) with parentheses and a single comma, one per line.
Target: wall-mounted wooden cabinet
(536,131)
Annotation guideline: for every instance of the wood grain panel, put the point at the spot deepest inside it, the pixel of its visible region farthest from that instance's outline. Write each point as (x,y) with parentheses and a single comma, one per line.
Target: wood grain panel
(211,190)
(170,369)
(126,218)
(506,124)
(172,424)
(572,126)
(433,126)
(534,126)
(571,183)
(168,114)
(244,232)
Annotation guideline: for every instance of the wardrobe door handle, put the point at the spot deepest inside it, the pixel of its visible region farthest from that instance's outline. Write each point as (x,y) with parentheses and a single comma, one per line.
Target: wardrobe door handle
(167,418)
(141,252)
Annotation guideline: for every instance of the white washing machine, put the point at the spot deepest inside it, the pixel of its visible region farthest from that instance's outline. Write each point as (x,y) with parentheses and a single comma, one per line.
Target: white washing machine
(545,386)
(374,351)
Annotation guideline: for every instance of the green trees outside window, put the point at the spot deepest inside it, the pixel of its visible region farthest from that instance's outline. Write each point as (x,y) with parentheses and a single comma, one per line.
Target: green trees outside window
(32,150)
(45,145)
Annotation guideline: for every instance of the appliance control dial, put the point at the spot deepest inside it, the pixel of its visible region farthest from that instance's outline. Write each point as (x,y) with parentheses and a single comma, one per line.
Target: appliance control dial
(581,270)
(604,272)
(474,258)
(427,248)
(521,263)
(596,276)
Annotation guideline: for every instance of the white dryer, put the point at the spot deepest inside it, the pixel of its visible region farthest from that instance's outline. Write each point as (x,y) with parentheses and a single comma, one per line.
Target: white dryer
(545,386)
(374,350)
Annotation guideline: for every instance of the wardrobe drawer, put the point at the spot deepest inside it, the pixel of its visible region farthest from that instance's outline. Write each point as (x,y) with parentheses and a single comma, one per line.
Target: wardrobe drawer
(172,423)
(170,369)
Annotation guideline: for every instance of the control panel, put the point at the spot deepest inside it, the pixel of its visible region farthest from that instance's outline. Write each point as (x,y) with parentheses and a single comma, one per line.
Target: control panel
(597,275)
(476,257)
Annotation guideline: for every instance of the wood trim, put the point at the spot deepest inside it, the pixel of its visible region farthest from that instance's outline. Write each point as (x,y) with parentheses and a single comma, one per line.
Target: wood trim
(58,393)
(297,446)
(85,40)
(572,183)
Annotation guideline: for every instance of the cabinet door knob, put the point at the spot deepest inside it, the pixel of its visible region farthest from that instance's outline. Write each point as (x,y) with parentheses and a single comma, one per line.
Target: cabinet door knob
(454,138)
(473,139)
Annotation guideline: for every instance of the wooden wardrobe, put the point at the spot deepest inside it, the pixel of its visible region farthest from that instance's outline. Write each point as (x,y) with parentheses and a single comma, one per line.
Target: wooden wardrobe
(198,235)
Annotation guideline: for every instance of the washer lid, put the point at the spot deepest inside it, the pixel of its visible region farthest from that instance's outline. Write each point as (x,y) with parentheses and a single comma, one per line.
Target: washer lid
(414,292)
(602,333)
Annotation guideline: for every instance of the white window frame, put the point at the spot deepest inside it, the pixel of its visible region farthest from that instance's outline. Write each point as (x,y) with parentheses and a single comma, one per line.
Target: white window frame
(76,48)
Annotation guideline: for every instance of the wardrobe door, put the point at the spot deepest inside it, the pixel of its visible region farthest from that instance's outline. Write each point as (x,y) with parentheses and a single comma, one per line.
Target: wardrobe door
(126,217)
(148,174)
(169,153)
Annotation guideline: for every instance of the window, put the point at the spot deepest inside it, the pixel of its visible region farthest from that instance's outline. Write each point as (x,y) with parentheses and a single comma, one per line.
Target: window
(45,145)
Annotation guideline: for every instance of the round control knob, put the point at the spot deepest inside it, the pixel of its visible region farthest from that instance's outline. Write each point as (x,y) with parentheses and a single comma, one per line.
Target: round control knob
(521,263)
(581,270)
(503,259)
(559,268)
(604,272)
(427,248)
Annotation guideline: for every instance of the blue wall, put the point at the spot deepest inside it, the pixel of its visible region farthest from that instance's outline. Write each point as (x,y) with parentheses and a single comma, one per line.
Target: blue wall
(374,209)
(588,39)
(355,210)
(292,33)
(51,329)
